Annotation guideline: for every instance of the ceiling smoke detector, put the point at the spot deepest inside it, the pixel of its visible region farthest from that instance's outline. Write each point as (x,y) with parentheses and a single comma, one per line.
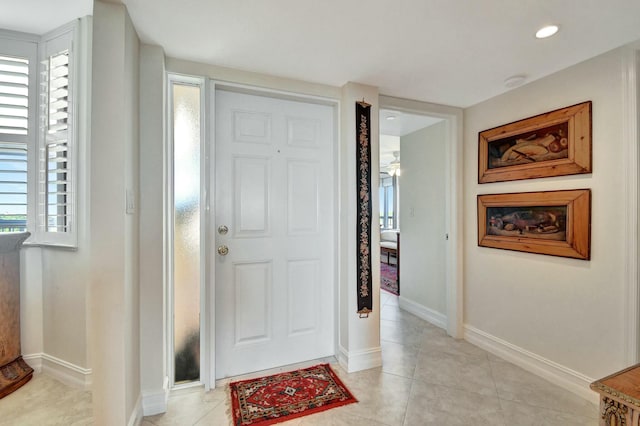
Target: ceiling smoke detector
(515,81)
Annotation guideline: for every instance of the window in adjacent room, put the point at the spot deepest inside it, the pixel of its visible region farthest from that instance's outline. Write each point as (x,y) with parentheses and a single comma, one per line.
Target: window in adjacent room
(387,201)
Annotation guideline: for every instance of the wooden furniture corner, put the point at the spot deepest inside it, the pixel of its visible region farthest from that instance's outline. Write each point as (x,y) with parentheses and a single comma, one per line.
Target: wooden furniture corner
(620,397)
(14,372)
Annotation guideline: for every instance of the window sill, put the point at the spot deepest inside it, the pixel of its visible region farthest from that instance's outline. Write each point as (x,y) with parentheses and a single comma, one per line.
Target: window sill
(41,244)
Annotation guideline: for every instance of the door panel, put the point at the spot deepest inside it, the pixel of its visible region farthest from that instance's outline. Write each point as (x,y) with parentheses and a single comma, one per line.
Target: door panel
(303,286)
(302,197)
(252,302)
(252,127)
(303,132)
(251,193)
(274,189)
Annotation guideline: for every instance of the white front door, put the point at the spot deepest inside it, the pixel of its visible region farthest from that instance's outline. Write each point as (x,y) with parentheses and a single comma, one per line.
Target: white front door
(274,192)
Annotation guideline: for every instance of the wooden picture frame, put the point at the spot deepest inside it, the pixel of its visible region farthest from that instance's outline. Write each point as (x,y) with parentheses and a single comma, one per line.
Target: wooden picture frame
(556,143)
(556,223)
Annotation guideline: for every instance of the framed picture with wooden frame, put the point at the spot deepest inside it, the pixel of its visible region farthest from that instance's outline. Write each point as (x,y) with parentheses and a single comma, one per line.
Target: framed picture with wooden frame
(556,143)
(556,223)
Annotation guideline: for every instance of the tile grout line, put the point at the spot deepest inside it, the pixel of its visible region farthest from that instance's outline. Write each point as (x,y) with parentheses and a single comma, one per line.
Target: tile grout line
(406,407)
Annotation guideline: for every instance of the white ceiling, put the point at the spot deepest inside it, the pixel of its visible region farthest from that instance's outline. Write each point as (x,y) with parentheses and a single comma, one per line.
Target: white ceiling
(388,144)
(41,16)
(448,52)
(401,125)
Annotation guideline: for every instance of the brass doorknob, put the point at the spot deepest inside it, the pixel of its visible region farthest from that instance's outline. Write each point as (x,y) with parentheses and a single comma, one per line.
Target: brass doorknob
(223,250)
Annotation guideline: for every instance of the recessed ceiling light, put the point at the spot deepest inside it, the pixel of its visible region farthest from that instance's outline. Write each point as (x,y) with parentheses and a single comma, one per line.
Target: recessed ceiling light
(547,31)
(391,117)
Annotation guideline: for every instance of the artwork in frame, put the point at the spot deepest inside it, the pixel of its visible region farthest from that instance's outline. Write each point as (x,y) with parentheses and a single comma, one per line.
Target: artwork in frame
(556,223)
(556,143)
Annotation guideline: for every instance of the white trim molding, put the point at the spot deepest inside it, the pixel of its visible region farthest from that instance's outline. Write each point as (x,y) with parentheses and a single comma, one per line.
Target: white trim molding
(434,317)
(155,402)
(34,361)
(68,373)
(557,374)
(136,415)
(359,360)
(630,137)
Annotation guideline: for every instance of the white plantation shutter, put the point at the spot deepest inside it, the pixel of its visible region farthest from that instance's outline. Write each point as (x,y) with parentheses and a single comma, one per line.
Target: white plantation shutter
(58,74)
(56,203)
(55,184)
(14,96)
(37,134)
(14,122)
(17,129)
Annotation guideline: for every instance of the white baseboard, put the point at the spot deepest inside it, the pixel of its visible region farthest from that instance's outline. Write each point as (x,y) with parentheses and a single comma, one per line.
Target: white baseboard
(34,361)
(136,416)
(359,360)
(68,373)
(343,357)
(427,314)
(557,374)
(155,402)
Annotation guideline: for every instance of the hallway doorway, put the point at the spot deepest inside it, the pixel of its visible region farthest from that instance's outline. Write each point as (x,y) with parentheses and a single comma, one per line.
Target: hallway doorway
(419,157)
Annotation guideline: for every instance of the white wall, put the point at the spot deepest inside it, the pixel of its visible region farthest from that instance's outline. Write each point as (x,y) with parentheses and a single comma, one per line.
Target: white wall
(231,75)
(570,312)
(31,309)
(131,234)
(54,280)
(422,187)
(114,286)
(152,291)
(359,338)
(65,275)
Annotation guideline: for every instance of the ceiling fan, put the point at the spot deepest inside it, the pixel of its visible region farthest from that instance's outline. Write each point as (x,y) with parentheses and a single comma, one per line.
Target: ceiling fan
(393,169)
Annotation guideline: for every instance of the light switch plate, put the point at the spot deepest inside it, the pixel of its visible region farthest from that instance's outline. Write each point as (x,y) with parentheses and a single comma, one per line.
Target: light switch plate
(131,202)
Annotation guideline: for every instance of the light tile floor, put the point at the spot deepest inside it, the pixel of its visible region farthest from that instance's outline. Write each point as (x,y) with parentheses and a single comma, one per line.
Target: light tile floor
(427,378)
(46,401)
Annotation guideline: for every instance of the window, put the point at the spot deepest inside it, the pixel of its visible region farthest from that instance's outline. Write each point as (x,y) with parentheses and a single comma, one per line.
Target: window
(55,195)
(13,188)
(387,202)
(17,93)
(37,131)
(186,124)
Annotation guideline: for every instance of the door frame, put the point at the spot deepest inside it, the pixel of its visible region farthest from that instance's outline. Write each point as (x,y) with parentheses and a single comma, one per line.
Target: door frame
(208,369)
(453,201)
(631,138)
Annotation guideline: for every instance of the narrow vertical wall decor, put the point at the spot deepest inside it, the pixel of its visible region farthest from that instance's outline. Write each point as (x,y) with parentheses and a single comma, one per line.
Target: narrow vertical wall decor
(364,211)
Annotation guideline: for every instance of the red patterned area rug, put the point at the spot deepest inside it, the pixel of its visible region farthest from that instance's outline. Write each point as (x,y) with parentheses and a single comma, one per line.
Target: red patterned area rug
(388,278)
(285,396)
